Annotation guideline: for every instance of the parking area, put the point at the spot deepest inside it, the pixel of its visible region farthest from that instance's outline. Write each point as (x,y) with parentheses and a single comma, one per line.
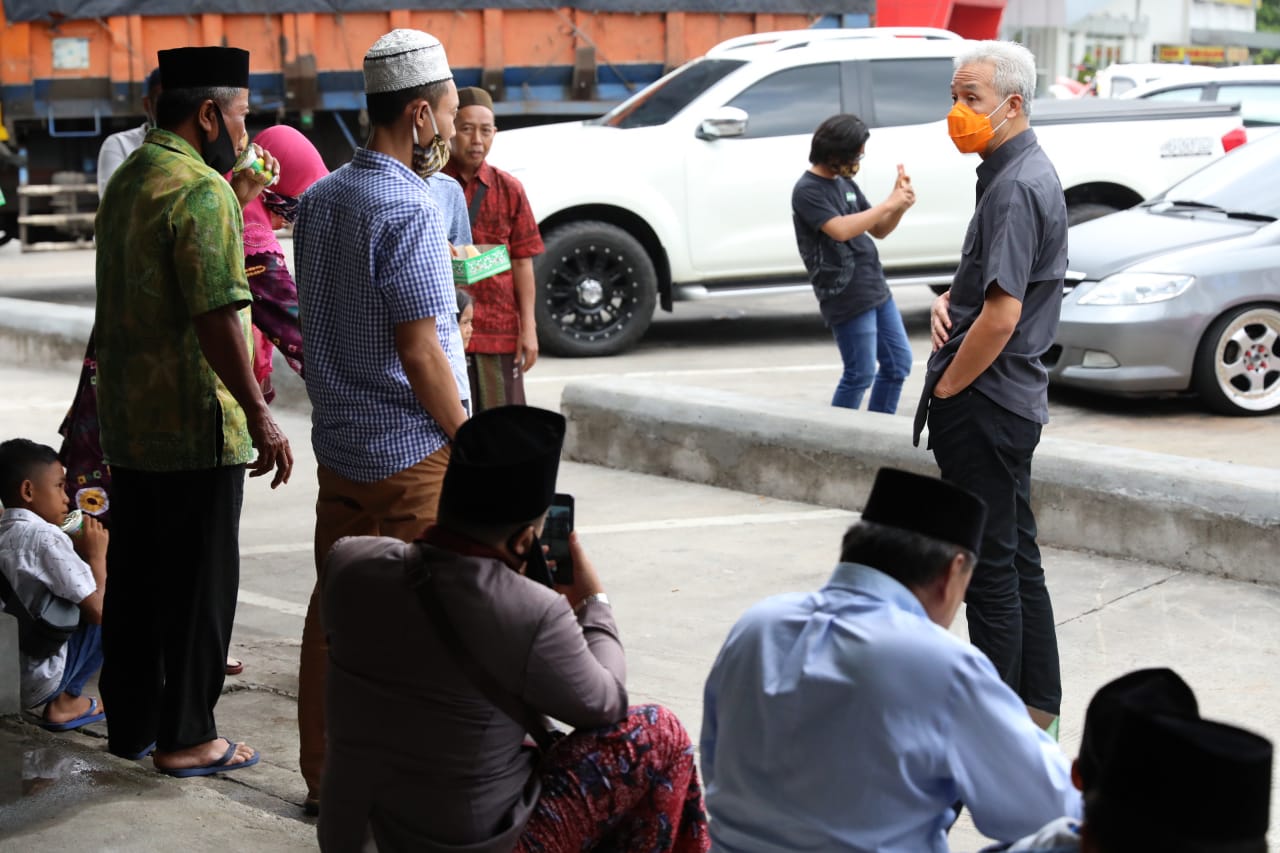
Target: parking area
(775,346)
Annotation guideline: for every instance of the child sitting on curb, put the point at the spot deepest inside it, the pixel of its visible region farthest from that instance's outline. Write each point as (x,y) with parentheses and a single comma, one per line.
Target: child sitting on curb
(35,556)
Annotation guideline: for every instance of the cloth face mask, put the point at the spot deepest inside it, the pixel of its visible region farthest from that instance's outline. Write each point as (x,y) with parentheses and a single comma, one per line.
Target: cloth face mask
(220,154)
(429,159)
(284,206)
(970,131)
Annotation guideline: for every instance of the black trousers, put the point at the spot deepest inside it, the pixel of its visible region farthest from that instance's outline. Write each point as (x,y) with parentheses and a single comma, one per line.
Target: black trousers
(987,449)
(173,570)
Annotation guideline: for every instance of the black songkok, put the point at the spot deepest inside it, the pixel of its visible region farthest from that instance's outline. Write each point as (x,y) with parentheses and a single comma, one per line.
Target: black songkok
(1151,691)
(204,68)
(503,465)
(927,506)
(1182,784)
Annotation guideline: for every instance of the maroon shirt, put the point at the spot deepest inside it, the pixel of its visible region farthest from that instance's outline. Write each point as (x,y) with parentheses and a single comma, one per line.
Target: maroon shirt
(504,218)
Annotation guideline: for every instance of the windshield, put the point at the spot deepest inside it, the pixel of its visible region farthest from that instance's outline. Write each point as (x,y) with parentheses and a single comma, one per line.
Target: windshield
(659,103)
(1247,179)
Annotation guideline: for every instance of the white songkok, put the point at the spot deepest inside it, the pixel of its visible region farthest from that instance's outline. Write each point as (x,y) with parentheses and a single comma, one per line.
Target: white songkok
(404,59)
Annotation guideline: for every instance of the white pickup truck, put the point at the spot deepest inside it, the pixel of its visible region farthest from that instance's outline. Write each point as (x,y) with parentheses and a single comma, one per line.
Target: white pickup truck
(684,190)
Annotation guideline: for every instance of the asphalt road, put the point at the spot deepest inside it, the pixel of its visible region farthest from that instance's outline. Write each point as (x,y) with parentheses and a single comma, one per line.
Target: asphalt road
(685,560)
(776,346)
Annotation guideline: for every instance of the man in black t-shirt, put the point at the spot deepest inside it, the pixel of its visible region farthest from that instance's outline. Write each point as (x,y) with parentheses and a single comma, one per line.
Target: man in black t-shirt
(834,225)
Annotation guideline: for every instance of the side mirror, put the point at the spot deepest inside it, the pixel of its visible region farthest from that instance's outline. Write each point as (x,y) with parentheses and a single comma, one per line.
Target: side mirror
(724,123)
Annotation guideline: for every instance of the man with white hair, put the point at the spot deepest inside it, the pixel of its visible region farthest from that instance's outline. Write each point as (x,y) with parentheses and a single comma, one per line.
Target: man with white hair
(986,390)
(377,306)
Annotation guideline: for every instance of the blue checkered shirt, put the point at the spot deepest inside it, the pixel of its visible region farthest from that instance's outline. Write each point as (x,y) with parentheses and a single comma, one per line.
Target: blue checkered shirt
(371,253)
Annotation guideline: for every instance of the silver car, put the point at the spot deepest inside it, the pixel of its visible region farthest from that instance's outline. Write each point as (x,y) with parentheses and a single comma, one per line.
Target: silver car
(1182,293)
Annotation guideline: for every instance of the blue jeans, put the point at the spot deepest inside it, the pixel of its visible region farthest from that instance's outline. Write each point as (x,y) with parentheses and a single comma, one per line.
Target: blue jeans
(874,336)
(84,658)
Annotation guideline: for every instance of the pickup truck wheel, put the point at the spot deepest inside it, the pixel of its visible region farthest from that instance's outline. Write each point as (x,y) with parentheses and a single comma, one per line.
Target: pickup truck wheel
(1237,370)
(1084,211)
(596,290)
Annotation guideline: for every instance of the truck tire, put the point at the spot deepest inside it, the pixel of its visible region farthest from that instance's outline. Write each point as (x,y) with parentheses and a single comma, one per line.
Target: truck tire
(1084,211)
(595,292)
(1237,368)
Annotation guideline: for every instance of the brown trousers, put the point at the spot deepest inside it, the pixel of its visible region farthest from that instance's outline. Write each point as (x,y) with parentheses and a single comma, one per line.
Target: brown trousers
(402,506)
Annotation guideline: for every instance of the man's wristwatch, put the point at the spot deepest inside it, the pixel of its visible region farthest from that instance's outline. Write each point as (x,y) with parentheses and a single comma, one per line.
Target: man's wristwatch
(595,596)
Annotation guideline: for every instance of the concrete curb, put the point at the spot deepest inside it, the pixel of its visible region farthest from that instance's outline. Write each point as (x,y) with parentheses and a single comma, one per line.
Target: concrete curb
(1211,517)
(43,334)
(49,334)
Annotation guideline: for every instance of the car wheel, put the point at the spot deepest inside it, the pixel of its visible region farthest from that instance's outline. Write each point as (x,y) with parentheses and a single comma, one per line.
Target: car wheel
(1237,368)
(596,290)
(1083,212)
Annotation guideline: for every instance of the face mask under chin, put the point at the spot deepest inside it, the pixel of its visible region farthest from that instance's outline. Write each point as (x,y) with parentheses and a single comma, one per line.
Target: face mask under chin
(431,158)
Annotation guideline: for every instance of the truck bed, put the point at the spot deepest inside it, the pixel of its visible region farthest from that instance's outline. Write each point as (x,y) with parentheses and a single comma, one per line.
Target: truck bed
(1049,111)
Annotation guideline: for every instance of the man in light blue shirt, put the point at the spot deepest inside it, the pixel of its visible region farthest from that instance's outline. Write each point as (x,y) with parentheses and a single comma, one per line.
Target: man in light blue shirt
(850,719)
(447,193)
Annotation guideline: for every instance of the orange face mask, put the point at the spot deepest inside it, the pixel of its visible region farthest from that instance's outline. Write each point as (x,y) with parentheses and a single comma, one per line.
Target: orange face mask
(972,132)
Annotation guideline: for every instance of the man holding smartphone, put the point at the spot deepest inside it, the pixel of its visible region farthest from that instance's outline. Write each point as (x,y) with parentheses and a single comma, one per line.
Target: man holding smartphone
(462,640)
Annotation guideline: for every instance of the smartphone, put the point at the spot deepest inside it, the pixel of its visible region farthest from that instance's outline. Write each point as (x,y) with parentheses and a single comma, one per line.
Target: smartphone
(555,535)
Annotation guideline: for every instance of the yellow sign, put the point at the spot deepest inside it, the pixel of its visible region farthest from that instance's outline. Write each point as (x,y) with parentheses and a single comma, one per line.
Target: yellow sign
(1202,54)
(1248,4)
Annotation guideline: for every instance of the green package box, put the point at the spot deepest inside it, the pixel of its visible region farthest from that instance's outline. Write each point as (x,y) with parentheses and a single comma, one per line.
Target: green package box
(491,261)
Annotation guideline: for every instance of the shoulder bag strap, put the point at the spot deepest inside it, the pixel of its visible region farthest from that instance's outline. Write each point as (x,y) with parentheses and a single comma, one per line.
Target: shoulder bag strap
(507,702)
(473,209)
(15,606)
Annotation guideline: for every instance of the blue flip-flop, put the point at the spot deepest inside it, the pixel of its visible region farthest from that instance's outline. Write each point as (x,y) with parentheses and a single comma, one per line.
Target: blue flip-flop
(219,766)
(92,715)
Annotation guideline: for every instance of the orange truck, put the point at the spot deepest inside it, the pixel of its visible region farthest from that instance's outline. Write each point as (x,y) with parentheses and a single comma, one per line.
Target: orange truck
(72,71)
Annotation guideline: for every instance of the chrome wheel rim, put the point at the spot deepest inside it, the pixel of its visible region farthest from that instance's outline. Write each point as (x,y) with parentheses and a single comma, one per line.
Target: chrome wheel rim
(1246,360)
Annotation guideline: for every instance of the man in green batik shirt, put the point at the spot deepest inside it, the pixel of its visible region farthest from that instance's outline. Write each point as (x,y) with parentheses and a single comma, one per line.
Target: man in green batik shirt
(180,416)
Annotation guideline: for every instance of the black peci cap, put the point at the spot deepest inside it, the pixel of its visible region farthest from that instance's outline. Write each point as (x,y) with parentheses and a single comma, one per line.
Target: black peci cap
(1180,783)
(927,506)
(503,465)
(1152,691)
(204,67)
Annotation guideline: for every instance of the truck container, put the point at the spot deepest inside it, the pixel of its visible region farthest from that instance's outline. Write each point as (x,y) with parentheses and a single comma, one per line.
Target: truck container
(73,71)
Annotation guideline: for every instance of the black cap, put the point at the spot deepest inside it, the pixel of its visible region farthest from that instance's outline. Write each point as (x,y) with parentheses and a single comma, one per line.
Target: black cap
(1193,782)
(503,466)
(1152,691)
(928,506)
(203,67)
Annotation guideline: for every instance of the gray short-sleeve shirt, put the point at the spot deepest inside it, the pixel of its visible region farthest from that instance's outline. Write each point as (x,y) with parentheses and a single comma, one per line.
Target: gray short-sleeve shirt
(1017,240)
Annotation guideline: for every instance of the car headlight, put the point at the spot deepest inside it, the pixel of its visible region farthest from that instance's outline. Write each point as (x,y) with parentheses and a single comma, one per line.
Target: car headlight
(1136,288)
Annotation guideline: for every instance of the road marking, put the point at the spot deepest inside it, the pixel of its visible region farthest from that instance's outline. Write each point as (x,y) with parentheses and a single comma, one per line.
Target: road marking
(263,550)
(744,519)
(696,371)
(716,521)
(271,603)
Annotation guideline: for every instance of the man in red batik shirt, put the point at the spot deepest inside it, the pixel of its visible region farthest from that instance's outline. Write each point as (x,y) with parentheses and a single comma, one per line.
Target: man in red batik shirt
(504,345)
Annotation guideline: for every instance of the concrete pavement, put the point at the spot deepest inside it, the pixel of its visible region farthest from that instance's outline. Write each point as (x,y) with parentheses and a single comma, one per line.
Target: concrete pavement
(1196,514)
(681,561)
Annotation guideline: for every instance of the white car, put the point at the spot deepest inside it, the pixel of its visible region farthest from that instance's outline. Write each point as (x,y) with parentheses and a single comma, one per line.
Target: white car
(684,190)
(1115,80)
(1256,88)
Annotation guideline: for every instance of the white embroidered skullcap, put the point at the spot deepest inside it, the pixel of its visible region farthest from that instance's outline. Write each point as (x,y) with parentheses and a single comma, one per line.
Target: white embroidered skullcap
(404,59)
